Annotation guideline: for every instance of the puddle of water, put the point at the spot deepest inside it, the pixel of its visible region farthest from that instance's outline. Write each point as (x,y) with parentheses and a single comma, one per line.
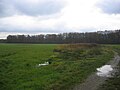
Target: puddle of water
(43,64)
(104,71)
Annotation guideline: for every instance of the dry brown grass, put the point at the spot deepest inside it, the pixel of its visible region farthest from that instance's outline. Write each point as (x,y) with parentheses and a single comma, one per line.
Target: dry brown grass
(76,46)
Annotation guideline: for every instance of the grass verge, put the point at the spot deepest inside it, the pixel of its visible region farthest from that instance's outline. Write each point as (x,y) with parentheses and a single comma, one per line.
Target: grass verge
(113,83)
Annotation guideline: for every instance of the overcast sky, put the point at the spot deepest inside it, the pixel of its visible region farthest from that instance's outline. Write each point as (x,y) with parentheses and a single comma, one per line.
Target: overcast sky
(57,16)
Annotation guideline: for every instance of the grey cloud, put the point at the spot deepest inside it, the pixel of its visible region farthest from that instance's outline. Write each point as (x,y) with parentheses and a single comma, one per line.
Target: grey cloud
(40,30)
(7,8)
(109,6)
(7,28)
(4,9)
(46,7)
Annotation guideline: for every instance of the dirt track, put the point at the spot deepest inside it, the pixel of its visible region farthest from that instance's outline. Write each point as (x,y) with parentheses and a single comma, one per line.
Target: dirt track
(93,81)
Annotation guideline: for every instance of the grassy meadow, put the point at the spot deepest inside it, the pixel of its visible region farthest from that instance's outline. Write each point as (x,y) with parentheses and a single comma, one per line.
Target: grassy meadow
(18,66)
(70,64)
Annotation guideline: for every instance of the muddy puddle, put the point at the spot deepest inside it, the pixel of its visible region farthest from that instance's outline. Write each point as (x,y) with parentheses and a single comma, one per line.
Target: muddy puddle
(98,78)
(105,71)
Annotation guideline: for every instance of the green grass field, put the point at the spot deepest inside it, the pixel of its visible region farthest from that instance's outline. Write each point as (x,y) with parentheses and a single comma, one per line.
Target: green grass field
(19,66)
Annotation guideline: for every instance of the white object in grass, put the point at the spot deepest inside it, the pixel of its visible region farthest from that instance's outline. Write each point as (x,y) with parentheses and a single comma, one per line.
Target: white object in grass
(105,71)
(43,64)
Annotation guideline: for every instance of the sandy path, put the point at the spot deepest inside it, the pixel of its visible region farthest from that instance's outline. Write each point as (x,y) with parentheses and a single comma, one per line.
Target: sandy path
(93,81)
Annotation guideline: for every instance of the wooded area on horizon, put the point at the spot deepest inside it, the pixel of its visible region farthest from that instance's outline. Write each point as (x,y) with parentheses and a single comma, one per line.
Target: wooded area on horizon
(101,37)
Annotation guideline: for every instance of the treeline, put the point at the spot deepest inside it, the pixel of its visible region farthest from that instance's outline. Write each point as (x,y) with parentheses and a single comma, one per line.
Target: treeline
(3,40)
(102,37)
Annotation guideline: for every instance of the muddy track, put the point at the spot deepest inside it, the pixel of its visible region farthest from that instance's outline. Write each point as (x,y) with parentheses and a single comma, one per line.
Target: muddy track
(93,81)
